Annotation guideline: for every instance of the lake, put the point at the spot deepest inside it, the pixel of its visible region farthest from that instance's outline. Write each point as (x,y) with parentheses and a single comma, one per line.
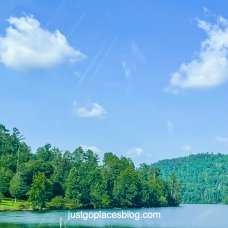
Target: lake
(201,216)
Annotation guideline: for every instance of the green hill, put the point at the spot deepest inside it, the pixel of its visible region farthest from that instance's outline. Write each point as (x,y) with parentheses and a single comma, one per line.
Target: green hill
(203,177)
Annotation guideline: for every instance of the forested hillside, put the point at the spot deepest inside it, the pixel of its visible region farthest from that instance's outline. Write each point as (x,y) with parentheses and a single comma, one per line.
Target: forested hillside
(203,177)
(51,178)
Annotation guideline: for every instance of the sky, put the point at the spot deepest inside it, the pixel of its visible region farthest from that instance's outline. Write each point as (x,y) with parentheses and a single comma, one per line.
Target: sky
(143,79)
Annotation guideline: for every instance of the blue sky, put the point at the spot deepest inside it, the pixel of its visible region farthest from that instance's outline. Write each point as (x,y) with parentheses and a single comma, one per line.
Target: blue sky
(144,79)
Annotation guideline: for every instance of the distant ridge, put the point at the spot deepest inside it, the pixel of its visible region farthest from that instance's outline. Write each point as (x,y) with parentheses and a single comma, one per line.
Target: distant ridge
(203,177)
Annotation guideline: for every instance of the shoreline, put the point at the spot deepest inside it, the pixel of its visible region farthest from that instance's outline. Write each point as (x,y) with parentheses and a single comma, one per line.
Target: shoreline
(48,209)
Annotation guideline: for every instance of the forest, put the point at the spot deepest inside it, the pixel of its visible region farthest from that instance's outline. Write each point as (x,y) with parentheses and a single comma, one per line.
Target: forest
(203,177)
(53,179)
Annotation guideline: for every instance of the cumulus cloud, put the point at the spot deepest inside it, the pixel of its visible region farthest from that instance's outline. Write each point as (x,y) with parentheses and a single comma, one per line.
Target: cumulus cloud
(221,139)
(27,46)
(95,111)
(135,151)
(209,68)
(186,148)
(93,148)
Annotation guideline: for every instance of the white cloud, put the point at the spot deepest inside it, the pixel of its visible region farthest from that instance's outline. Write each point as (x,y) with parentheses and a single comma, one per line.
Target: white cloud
(77,74)
(206,10)
(209,68)
(170,126)
(186,148)
(127,70)
(93,148)
(135,151)
(27,46)
(221,139)
(95,111)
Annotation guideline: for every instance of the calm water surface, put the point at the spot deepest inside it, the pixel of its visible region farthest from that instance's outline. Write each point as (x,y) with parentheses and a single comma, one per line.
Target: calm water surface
(185,216)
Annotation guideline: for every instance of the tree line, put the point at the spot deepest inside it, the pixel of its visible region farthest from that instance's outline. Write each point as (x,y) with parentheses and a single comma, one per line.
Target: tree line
(51,178)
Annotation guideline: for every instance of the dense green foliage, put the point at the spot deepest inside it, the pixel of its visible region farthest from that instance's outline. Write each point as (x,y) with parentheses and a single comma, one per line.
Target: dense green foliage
(56,179)
(17,186)
(203,177)
(1,197)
